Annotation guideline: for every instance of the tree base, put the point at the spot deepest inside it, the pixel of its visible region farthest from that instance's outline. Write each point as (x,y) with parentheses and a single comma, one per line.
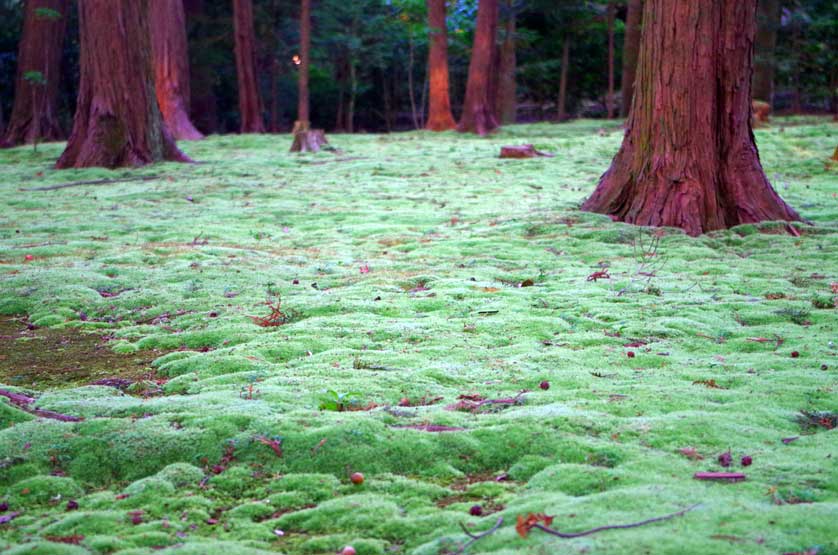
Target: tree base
(307,140)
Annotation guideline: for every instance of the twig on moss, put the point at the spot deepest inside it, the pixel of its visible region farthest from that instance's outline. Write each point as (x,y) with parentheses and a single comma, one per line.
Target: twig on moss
(91,182)
(476,537)
(22,402)
(553,532)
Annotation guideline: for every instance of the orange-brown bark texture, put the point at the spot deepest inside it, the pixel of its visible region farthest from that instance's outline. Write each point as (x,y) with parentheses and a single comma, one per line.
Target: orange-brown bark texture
(688,158)
(478,109)
(117,121)
(440,117)
(171,67)
(34,114)
(250,101)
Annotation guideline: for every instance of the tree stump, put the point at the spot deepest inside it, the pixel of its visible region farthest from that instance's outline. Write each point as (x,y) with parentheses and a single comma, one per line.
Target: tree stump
(523,151)
(307,140)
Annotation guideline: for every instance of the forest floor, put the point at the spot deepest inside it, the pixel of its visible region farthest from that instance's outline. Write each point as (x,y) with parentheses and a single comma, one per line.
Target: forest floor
(419,276)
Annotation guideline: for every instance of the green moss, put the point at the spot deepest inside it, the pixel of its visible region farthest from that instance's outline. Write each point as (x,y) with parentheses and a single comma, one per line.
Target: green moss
(43,490)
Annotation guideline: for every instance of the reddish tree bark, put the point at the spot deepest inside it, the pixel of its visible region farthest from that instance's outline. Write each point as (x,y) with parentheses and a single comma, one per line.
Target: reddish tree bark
(439,101)
(305,59)
(117,121)
(631,47)
(609,101)
(688,158)
(171,67)
(768,21)
(507,102)
(34,114)
(250,101)
(561,109)
(478,113)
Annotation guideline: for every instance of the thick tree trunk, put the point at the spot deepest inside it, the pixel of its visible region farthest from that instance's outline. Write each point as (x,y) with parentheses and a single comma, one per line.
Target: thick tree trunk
(117,121)
(768,21)
(171,67)
(609,101)
(688,158)
(478,114)
(561,110)
(250,101)
(34,114)
(631,47)
(439,110)
(507,103)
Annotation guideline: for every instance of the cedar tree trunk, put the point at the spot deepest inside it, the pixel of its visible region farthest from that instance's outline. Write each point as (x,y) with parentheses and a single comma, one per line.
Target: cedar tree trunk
(117,121)
(34,113)
(439,109)
(305,139)
(250,101)
(631,47)
(171,67)
(478,114)
(768,21)
(507,103)
(561,110)
(688,158)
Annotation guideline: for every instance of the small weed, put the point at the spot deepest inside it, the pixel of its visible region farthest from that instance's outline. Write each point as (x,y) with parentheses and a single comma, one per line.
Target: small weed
(340,402)
(799,316)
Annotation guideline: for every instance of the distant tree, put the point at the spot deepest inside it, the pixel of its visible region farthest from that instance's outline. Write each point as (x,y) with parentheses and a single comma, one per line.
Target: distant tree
(478,113)
(250,100)
(765,44)
(171,67)
(688,157)
(439,103)
(204,66)
(305,139)
(34,114)
(561,105)
(631,47)
(117,121)
(507,101)
(611,12)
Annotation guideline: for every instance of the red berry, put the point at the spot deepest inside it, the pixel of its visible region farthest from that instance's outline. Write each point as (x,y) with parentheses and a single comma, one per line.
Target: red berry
(747,460)
(357,478)
(348,550)
(630,354)
(475,510)
(725,459)
(795,354)
(29,258)
(545,385)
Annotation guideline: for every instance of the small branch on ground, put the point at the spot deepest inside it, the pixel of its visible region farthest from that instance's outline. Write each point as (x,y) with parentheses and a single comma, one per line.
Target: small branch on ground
(92,182)
(523,151)
(476,537)
(568,535)
(22,402)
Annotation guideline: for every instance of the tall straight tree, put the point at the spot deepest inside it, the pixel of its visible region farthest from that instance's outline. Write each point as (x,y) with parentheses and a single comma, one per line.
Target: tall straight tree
(507,102)
(631,47)
(34,113)
(439,99)
(688,157)
(609,101)
(250,101)
(171,67)
(768,21)
(117,121)
(478,112)
(305,139)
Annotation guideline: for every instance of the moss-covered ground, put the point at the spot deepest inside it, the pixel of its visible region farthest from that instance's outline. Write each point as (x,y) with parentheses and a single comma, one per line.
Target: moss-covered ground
(412,269)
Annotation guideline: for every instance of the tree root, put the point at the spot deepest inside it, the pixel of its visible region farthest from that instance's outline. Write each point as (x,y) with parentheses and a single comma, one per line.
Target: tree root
(92,182)
(567,535)
(476,537)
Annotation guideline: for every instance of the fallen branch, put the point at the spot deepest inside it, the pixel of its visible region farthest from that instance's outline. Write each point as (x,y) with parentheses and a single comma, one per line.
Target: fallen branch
(476,537)
(92,182)
(22,402)
(553,532)
(720,476)
(523,151)
(344,159)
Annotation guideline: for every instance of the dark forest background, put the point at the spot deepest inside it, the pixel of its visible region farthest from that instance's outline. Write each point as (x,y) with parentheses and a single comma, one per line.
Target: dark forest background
(387,43)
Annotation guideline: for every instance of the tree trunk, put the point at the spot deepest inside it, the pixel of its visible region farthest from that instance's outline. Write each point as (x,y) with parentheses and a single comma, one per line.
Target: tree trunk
(439,108)
(305,138)
(250,101)
(117,121)
(688,158)
(478,114)
(561,111)
(411,93)
(768,21)
(631,47)
(34,114)
(507,106)
(171,67)
(609,101)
